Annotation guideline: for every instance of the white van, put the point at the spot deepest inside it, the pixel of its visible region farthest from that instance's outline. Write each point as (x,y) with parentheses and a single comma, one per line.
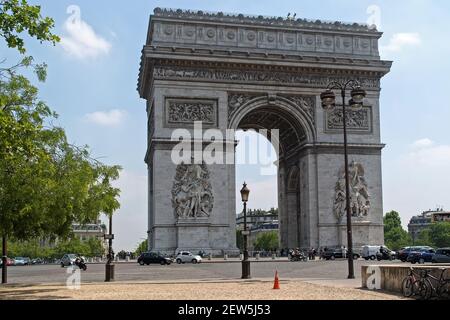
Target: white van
(370,252)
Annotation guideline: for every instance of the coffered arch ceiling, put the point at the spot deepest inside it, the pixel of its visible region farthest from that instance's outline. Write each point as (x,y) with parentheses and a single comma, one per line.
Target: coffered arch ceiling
(291,134)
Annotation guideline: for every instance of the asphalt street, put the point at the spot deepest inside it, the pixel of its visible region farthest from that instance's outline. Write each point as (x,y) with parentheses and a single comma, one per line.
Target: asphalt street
(311,270)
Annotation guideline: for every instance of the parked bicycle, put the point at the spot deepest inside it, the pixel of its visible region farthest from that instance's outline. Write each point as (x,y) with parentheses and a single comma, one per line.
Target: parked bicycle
(425,285)
(437,286)
(414,284)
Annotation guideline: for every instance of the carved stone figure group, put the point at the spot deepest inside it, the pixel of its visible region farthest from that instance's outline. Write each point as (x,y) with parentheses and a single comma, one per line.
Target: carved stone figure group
(359,193)
(192,193)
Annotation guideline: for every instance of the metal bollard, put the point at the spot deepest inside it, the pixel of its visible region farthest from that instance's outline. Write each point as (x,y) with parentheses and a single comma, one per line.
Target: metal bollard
(210,256)
(274,256)
(225,257)
(257,256)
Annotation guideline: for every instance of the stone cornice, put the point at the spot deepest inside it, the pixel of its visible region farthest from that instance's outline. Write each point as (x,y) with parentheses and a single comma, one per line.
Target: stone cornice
(235,18)
(306,72)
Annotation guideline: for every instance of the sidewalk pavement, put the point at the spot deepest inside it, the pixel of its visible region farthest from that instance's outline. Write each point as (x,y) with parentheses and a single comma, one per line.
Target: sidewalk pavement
(211,289)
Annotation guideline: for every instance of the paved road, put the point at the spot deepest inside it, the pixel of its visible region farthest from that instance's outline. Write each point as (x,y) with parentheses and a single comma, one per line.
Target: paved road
(312,270)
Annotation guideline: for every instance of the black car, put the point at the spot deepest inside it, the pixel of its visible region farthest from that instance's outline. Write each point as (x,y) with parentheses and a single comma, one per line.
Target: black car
(153,257)
(331,254)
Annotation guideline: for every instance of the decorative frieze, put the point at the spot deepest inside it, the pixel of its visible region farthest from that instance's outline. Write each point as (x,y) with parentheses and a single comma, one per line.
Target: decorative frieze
(185,111)
(254,76)
(357,120)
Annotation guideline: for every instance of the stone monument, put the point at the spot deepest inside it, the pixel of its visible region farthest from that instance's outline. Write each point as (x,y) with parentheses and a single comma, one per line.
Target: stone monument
(255,72)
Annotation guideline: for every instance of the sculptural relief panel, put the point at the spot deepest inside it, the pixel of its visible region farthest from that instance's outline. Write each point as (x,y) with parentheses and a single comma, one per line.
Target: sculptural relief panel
(184,111)
(359,192)
(357,120)
(192,195)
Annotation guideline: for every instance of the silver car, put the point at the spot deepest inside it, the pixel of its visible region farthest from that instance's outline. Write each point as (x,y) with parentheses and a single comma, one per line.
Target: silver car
(186,256)
(68,259)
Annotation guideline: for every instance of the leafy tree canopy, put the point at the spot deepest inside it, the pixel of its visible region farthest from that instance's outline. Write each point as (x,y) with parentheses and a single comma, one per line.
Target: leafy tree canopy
(267,241)
(17,17)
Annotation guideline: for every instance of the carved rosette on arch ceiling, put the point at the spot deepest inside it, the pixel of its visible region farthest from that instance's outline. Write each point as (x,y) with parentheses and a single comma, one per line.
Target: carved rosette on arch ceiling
(192,195)
(359,193)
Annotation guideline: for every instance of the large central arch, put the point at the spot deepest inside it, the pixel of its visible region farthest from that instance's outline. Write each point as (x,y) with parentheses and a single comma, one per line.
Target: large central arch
(295,130)
(238,72)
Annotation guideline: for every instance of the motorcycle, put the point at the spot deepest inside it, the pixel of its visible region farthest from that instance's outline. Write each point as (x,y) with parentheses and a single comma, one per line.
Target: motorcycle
(79,262)
(300,256)
(384,255)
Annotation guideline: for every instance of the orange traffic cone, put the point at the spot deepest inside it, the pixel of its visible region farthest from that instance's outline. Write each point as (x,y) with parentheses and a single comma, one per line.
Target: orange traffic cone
(276,283)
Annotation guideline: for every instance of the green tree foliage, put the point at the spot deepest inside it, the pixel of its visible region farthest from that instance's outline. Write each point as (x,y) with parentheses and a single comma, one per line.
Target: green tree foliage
(31,248)
(267,241)
(395,236)
(46,184)
(142,247)
(437,235)
(17,16)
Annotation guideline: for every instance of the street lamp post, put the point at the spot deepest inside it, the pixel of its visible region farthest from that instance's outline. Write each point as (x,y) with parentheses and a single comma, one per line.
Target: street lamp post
(245,262)
(329,102)
(4,261)
(109,267)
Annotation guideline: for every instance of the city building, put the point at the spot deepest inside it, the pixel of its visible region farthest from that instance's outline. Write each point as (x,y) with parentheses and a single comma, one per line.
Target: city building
(255,218)
(418,223)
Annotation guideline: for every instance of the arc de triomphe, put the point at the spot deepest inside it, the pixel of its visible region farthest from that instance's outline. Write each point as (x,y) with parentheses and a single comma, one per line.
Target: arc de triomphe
(241,72)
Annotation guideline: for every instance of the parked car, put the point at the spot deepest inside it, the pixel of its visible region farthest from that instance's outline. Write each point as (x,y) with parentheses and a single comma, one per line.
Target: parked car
(421,255)
(9,262)
(333,253)
(186,256)
(20,261)
(404,252)
(153,257)
(68,260)
(442,255)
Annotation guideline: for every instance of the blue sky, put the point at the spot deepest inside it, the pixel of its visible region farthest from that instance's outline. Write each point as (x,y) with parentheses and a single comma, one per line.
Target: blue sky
(93,74)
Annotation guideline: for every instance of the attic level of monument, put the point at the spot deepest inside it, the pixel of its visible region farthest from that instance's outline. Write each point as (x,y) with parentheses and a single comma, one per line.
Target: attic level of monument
(324,39)
(261,20)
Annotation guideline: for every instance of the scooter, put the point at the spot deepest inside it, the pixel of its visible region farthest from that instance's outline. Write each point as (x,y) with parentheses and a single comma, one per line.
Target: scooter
(79,262)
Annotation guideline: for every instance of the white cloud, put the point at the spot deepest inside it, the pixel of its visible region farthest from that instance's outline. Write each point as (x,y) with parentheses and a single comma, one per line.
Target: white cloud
(422,143)
(81,41)
(426,152)
(418,179)
(401,40)
(106,118)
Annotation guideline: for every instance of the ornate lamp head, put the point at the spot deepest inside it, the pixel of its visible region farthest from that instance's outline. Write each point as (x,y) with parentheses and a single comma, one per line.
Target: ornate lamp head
(328,99)
(245,192)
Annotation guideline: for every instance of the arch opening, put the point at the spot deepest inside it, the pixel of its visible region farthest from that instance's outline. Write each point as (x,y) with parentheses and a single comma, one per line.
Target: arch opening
(283,188)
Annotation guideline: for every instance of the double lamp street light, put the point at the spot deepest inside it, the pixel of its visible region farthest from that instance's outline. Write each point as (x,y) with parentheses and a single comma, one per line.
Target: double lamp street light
(356,103)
